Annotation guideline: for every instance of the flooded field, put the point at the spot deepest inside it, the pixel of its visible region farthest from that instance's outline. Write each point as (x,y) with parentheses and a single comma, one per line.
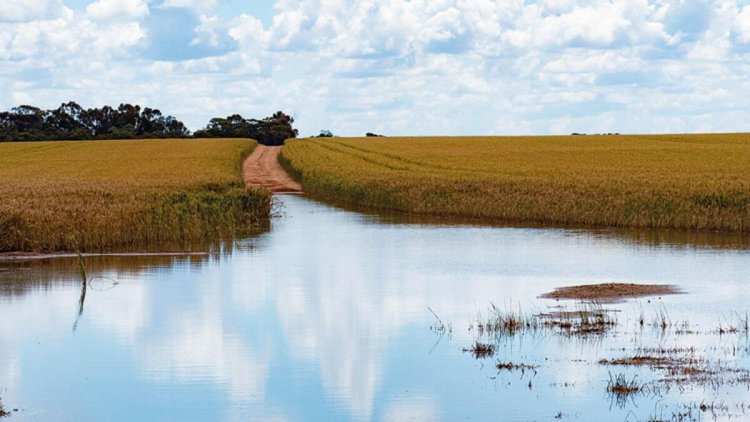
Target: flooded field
(335,315)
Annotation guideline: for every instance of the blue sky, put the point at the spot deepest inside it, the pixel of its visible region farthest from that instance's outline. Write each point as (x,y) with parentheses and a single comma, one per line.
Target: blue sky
(417,67)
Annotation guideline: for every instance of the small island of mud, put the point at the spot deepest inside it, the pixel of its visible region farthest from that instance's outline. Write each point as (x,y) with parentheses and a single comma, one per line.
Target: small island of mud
(609,292)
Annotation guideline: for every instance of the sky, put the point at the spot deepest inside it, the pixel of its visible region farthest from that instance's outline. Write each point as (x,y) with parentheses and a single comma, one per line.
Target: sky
(396,67)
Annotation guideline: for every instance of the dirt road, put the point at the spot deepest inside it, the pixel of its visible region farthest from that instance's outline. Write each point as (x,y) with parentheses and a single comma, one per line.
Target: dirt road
(262,168)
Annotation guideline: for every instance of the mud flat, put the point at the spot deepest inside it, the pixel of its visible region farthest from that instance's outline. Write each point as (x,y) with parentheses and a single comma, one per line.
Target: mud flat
(608,292)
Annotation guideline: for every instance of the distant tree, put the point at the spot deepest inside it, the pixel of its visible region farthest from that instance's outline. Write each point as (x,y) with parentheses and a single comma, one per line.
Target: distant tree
(373,135)
(272,130)
(67,121)
(324,134)
(71,121)
(278,128)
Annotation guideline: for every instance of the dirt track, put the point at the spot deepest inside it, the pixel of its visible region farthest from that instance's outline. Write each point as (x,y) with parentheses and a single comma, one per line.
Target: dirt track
(262,169)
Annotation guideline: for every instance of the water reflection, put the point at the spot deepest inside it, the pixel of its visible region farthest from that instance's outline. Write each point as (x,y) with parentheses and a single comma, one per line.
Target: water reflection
(82,299)
(326,317)
(655,238)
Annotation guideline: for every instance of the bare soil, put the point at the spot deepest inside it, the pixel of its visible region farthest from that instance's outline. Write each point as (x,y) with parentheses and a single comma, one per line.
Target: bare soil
(611,291)
(262,169)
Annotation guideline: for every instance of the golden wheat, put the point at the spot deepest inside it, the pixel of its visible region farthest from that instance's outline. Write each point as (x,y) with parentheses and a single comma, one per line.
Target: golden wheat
(100,195)
(698,182)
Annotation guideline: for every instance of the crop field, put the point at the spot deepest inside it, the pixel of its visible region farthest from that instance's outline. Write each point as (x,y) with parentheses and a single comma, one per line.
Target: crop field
(695,182)
(93,196)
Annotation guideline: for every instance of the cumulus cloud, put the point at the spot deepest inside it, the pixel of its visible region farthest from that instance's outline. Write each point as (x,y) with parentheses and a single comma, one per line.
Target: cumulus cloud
(204,6)
(742,25)
(23,11)
(248,31)
(40,38)
(121,9)
(393,66)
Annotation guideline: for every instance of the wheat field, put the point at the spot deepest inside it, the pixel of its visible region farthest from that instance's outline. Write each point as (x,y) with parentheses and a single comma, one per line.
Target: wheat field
(694,182)
(100,196)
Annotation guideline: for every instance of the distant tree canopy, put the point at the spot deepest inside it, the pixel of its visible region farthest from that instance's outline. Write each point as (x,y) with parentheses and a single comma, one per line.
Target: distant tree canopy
(272,130)
(70,121)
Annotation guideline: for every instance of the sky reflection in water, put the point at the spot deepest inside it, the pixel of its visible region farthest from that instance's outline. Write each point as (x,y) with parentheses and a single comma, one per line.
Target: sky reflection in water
(326,317)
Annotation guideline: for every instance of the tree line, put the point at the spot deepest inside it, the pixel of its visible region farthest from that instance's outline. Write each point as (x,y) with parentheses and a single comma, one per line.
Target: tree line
(70,121)
(269,131)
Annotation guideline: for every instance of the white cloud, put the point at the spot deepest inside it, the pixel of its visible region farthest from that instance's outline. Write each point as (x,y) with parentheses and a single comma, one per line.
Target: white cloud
(742,25)
(21,97)
(120,9)
(248,32)
(474,67)
(118,36)
(41,38)
(22,11)
(202,6)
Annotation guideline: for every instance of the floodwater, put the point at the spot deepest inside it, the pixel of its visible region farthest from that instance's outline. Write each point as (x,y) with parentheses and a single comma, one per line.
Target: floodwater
(327,317)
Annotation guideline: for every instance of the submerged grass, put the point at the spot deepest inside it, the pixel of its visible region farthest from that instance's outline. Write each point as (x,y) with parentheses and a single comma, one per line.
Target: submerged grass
(481,350)
(505,323)
(96,196)
(586,319)
(697,182)
(510,366)
(621,389)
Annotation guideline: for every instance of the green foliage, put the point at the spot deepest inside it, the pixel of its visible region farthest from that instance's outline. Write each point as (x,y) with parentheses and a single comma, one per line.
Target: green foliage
(70,121)
(272,130)
(325,134)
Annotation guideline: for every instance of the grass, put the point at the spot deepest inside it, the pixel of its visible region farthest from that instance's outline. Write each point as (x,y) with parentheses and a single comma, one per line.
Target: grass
(587,319)
(505,323)
(510,366)
(695,182)
(97,196)
(481,350)
(620,388)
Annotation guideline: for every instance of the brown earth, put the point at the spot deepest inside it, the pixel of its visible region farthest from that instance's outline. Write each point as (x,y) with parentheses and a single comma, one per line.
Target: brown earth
(611,291)
(262,169)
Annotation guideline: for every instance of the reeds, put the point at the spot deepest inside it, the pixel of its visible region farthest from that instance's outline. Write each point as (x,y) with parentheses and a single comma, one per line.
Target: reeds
(97,196)
(586,319)
(621,389)
(696,182)
(481,350)
(499,323)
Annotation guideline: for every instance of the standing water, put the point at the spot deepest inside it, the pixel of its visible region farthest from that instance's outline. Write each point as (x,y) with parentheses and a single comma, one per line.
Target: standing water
(334,315)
